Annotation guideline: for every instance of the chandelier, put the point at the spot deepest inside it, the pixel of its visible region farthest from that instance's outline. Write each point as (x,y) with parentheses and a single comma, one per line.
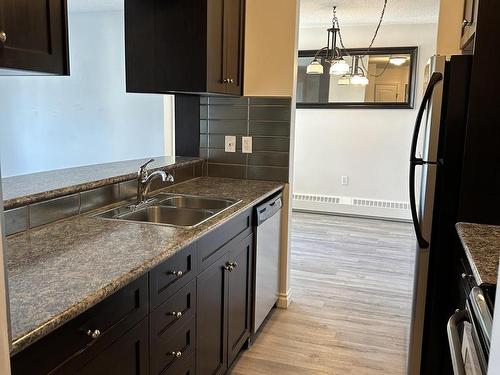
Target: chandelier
(334,53)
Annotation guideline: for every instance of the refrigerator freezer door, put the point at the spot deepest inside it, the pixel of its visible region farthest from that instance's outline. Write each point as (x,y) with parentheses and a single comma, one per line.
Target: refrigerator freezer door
(426,169)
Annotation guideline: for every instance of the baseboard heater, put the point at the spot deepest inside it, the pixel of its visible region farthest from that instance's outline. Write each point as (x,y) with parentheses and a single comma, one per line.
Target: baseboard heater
(352,205)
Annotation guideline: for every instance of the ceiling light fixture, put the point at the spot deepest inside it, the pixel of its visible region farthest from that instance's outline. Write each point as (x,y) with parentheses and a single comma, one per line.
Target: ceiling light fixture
(333,54)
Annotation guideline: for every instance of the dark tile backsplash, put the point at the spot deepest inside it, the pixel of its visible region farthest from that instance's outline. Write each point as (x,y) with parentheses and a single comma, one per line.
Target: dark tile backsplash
(267,120)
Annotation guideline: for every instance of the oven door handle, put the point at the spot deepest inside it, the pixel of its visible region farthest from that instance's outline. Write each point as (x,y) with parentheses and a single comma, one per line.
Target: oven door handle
(482,312)
(454,341)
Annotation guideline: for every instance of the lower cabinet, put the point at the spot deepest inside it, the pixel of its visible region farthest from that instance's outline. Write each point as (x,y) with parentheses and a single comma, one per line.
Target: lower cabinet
(190,314)
(223,316)
(239,298)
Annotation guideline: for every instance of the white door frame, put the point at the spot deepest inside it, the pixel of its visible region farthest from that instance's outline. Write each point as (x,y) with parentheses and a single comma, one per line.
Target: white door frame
(169,125)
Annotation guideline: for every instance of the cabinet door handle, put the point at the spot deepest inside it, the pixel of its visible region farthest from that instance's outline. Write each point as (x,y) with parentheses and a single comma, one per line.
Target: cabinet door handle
(177,314)
(176,354)
(3,37)
(234,264)
(231,80)
(228,266)
(176,273)
(466,22)
(225,80)
(94,334)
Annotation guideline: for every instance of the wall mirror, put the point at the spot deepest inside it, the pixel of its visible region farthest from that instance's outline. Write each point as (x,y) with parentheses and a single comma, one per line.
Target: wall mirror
(381,78)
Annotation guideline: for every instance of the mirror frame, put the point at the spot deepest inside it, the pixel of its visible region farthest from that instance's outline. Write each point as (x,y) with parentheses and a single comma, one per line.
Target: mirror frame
(412,51)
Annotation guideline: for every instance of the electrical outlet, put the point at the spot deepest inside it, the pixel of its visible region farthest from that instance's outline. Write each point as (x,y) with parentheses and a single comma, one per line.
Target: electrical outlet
(230,143)
(344,180)
(246,145)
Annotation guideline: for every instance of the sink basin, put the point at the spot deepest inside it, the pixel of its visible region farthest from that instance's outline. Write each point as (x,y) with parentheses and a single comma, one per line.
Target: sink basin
(194,202)
(168,215)
(178,210)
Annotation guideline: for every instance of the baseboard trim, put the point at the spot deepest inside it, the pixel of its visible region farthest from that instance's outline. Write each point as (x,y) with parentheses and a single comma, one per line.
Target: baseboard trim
(359,216)
(284,300)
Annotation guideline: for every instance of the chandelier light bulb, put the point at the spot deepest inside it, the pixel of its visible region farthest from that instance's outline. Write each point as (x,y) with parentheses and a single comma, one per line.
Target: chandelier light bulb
(314,67)
(359,79)
(339,67)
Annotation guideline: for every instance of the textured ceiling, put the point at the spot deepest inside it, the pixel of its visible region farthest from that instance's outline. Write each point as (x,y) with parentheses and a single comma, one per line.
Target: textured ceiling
(364,12)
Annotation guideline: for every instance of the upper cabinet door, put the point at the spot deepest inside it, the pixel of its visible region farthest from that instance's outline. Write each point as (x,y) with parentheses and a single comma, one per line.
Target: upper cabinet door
(184,46)
(216,72)
(34,36)
(233,43)
(469,24)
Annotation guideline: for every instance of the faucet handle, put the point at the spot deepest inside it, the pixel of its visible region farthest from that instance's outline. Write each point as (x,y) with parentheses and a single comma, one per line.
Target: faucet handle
(146,163)
(142,169)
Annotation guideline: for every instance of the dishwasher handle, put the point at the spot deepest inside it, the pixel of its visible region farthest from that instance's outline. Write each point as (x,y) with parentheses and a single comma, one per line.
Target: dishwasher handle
(269,208)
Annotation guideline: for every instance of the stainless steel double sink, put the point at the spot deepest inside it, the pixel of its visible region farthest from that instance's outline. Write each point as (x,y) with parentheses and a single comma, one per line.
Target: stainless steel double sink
(178,210)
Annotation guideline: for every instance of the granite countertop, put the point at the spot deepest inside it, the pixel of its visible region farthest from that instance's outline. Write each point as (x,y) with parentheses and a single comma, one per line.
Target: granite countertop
(31,188)
(58,271)
(482,247)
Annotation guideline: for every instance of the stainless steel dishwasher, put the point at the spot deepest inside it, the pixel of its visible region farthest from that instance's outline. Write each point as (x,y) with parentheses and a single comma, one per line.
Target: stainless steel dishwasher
(267,258)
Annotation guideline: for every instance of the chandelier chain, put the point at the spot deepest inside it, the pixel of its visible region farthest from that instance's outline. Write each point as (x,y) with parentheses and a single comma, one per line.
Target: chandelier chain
(336,21)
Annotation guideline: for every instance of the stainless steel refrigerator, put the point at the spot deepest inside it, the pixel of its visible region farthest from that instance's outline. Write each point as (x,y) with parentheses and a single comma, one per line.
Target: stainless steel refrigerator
(436,157)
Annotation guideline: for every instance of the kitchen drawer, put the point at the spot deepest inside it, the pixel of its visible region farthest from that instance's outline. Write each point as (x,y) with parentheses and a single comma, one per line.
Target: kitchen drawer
(172,275)
(106,321)
(128,355)
(169,349)
(185,366)
(174,312)
(212,246)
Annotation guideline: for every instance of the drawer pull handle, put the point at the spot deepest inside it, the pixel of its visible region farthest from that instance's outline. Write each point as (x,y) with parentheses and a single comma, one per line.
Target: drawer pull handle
(94,334)
(177,314)
(176,354)
(176,273)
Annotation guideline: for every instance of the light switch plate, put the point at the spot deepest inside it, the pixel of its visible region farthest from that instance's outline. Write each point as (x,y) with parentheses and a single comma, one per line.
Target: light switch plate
(230,142)
(246,145)
(344,180)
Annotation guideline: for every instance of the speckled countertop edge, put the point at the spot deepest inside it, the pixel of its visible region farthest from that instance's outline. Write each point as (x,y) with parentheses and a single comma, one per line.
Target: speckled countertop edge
(482,248)
(58,183)
(169,240)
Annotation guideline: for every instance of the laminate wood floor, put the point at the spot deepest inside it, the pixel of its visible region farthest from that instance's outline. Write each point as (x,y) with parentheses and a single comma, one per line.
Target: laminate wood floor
(351,281)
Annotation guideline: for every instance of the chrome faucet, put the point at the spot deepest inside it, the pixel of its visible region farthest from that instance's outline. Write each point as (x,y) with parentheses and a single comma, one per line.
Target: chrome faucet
(144,180)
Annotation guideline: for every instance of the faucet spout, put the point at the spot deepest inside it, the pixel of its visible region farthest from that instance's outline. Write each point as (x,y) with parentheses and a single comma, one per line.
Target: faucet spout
(145,179)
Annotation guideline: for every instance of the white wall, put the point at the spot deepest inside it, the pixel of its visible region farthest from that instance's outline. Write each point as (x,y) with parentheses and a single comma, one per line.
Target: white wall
(370,146)
(86,118)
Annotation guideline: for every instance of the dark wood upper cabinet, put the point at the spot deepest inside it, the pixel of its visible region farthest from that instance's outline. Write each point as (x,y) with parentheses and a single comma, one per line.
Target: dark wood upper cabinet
(469,25)
(34,36)
(184,46)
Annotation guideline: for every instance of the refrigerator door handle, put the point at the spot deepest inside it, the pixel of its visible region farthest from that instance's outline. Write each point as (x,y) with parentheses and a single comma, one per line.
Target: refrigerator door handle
(414,160)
